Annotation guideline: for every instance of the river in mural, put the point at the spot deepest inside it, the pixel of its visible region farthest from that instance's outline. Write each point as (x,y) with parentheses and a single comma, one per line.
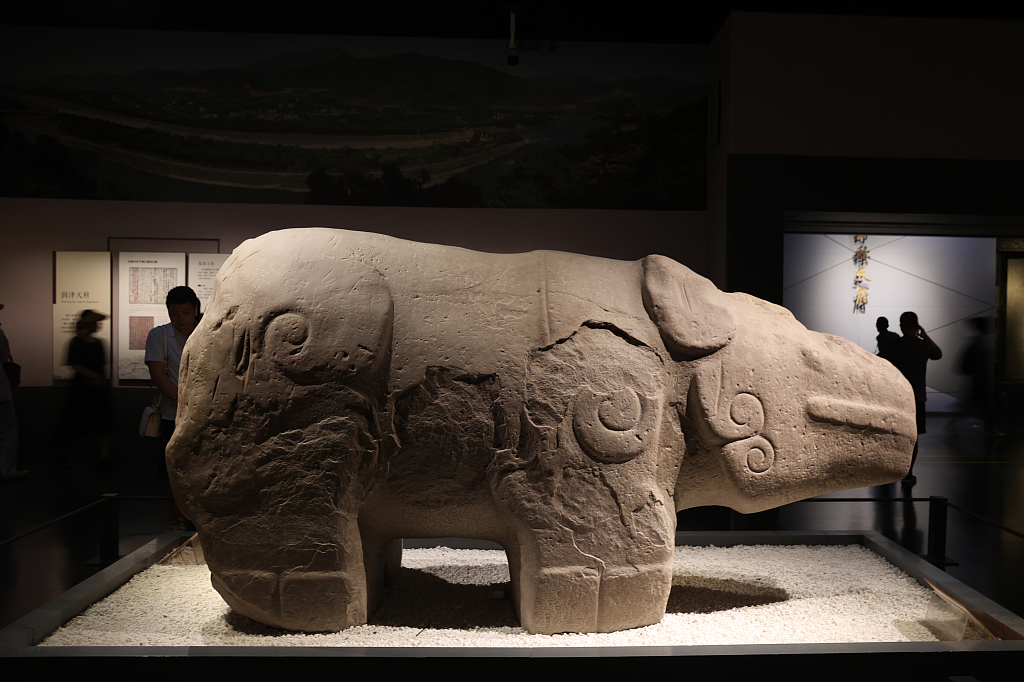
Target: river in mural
(325,119)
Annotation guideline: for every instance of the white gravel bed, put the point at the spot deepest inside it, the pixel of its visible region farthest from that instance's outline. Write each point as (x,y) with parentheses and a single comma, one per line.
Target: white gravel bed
(764,594)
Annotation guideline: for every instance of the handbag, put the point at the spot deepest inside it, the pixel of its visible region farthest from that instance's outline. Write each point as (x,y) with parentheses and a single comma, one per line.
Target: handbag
(13,372)
(149,427)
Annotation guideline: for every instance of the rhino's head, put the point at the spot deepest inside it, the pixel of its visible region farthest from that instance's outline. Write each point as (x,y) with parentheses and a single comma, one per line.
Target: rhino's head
(774,413)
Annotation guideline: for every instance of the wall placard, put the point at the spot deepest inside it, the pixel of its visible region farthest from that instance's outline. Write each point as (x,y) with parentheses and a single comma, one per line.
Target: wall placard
(144,280)
(81,282)
(202,270)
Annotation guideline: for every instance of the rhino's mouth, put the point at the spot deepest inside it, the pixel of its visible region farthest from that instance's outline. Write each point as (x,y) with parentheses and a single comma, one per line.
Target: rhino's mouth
(861,416)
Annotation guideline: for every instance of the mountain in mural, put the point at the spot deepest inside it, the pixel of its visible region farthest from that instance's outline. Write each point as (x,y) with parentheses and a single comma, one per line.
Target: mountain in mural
(294,121)
(394,78)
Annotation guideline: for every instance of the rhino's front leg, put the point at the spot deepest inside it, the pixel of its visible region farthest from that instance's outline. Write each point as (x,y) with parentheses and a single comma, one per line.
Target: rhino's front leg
(562,588)
(592,540)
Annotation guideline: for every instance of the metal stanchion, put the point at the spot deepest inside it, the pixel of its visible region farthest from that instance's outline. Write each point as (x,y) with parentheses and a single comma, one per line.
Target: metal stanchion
(110,532)
(937,506)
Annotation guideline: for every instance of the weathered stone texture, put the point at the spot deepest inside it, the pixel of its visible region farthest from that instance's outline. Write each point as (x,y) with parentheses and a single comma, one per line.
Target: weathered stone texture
(345,390)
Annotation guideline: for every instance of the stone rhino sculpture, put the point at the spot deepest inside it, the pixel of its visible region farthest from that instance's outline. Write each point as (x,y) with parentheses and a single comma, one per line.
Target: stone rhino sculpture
(345,390)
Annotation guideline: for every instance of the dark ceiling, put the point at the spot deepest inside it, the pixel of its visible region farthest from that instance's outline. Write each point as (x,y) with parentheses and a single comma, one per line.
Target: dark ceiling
(640,21)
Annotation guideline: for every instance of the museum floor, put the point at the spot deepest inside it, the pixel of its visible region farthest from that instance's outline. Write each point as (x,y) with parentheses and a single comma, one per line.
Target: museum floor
(954,462)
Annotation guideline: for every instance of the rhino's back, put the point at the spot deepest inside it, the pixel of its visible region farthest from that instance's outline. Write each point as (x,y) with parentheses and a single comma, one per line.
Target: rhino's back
(469,311)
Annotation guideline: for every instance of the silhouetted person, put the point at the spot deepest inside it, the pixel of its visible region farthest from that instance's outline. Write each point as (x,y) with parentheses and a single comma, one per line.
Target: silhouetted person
(8,418)
(976,363)
(911,353)
(885,338)
(89,409)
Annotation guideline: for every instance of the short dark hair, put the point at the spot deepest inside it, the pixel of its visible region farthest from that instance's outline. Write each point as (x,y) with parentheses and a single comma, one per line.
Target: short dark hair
(908,319)
(182,295)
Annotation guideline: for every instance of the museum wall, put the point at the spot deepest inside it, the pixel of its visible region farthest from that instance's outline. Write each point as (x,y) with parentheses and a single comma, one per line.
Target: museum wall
(719,54)
(874,87)
(764,187)
(35,228)
(857,114)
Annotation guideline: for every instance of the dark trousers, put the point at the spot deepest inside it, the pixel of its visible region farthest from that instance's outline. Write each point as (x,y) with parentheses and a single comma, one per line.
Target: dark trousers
(166,429)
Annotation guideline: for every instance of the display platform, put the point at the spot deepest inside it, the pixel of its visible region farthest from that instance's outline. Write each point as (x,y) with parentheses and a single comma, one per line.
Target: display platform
(19,640)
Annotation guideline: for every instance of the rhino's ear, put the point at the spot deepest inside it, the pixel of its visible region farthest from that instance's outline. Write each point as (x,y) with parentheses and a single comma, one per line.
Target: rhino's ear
(689,310)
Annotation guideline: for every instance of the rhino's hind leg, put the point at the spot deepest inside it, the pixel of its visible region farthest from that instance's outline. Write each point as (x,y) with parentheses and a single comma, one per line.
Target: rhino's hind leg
(326,595)
(279,436)
(280,523)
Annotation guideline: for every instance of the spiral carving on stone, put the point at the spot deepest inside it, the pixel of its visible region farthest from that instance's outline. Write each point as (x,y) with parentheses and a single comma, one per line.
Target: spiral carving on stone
(285,335)
(738,420)
(755,452)
(614,427)
(746,410)
(285,339)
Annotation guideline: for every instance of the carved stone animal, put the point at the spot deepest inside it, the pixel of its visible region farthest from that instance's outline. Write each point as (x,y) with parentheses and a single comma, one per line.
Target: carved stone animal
(345,390)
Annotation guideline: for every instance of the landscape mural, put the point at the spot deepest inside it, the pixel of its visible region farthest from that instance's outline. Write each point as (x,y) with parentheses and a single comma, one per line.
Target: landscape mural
(256,118)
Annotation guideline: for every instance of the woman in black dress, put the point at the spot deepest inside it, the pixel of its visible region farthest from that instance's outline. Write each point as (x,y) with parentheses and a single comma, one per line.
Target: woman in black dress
(89,412)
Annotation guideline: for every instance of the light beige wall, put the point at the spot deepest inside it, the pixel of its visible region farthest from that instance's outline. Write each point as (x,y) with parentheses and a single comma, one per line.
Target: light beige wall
(874,86)
(32,229)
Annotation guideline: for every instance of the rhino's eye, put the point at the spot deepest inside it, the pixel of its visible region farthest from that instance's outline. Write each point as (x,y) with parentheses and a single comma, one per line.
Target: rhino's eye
(286,335)
(747,410)
(814,359)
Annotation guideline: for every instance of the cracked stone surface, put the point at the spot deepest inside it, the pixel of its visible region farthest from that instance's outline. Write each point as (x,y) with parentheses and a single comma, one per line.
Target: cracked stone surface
(345,390)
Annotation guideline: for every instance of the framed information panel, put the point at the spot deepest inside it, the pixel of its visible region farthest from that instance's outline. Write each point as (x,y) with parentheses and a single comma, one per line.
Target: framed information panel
(143,282)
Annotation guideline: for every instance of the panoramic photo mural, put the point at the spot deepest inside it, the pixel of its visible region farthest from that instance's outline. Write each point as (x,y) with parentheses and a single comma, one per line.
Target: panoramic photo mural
(260,118)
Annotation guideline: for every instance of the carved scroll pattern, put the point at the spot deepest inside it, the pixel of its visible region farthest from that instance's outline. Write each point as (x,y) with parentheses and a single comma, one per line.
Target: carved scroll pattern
(614,427)
(737,421)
